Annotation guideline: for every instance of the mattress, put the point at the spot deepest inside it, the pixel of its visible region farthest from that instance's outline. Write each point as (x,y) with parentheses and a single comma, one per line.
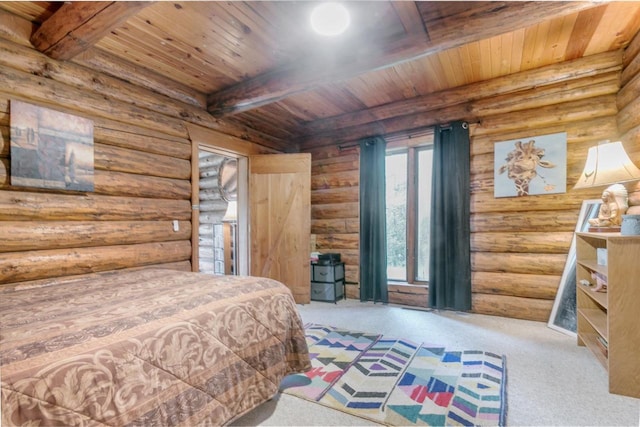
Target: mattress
(148,347)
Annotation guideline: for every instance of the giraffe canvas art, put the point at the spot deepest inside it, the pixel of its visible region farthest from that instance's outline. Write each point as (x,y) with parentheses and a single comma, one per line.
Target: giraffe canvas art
(530,166)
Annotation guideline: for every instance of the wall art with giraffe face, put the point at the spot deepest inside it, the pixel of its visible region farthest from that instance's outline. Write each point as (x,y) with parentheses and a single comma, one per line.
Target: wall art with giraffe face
(50,149)
(531,165)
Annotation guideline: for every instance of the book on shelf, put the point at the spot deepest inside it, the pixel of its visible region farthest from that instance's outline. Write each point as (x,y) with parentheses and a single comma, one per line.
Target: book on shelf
(602,341)
(603,345)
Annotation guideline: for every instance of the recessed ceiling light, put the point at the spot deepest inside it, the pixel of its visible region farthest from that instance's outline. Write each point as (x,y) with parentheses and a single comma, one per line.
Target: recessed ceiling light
(330,19)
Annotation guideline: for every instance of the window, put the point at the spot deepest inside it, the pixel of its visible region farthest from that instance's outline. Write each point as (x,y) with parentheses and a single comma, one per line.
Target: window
(423,220)
(396,194)
(408,193)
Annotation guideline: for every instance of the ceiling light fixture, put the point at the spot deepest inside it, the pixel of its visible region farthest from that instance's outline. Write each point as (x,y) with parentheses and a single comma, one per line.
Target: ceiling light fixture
(330,19)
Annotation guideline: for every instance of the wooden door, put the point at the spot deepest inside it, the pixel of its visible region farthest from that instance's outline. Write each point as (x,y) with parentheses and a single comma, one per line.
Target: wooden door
(280,220)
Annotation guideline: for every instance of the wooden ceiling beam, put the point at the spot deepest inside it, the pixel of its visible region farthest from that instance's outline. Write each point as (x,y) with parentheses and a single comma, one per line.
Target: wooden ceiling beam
(77,26)
(410,17)
(448,27)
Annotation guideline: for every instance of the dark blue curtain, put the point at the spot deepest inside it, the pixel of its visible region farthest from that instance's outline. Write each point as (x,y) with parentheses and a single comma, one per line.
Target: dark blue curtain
(450,256)
(373,233)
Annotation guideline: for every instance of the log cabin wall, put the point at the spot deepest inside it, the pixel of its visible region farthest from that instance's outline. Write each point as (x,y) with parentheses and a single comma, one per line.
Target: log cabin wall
(629,114)
(519,245)
(142,182)
(142,164)
(335,223)
(628,101)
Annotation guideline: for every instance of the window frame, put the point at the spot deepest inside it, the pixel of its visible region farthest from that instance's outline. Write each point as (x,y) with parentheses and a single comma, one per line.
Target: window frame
(411,145)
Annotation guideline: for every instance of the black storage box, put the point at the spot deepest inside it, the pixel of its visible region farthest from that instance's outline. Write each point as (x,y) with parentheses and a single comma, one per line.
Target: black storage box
(327,259)
(327,281)
(328,292)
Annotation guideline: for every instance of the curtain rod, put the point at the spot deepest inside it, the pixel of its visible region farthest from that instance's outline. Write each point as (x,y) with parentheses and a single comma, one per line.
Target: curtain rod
(465,125)
(395,136)
(410,135)
(387,139)
(347,146)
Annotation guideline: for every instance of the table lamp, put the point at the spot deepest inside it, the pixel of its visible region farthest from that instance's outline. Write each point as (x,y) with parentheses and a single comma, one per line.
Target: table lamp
(608,164)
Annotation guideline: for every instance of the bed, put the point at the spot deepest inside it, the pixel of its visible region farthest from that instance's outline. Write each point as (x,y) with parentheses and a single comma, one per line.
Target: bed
(147,347)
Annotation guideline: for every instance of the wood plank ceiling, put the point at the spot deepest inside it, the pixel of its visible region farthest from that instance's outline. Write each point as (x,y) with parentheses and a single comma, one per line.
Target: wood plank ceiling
(259,66)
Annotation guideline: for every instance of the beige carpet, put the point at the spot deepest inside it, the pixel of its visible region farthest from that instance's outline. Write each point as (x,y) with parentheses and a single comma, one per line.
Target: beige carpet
(551,381)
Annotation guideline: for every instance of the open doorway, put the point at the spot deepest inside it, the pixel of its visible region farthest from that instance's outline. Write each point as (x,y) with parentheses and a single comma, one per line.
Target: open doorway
(218,213)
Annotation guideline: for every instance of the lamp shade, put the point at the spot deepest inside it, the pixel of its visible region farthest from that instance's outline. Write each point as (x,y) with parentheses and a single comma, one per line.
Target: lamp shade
(231,214)
(607,164)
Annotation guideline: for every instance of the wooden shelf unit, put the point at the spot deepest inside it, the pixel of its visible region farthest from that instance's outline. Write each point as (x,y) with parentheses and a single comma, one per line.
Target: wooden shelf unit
(611,316)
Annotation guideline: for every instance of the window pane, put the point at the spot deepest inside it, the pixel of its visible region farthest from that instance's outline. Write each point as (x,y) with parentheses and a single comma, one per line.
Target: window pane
(396,183)
(424,162)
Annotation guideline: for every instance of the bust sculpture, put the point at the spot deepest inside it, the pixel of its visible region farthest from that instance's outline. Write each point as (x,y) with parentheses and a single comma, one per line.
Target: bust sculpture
(614,205)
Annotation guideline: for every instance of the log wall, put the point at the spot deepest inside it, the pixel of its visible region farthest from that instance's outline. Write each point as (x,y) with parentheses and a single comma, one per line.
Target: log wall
(628,102)
(142,160)
(629,115)
(141,186)
(519,245)
(335,224)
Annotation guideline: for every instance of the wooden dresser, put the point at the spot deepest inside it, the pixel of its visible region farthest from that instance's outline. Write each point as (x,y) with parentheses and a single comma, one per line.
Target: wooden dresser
(609,322)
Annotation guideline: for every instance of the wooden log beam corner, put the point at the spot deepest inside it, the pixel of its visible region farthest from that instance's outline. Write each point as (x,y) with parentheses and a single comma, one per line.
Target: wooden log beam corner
(77,26)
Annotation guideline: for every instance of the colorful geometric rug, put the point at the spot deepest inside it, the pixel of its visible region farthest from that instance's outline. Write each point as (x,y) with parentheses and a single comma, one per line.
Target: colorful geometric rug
(397,382)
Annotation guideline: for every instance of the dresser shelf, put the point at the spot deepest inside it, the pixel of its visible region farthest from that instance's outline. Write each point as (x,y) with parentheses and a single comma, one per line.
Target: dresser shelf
(608,321)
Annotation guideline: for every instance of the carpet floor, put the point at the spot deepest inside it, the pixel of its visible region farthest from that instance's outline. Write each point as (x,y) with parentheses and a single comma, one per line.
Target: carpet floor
(551,380)
(395,381)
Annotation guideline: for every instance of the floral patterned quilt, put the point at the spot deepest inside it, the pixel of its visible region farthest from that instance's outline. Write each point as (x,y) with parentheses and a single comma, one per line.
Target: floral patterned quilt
(147,347)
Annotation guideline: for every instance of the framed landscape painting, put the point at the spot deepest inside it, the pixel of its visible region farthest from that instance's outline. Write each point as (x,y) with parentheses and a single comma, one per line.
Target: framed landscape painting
(50,149)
